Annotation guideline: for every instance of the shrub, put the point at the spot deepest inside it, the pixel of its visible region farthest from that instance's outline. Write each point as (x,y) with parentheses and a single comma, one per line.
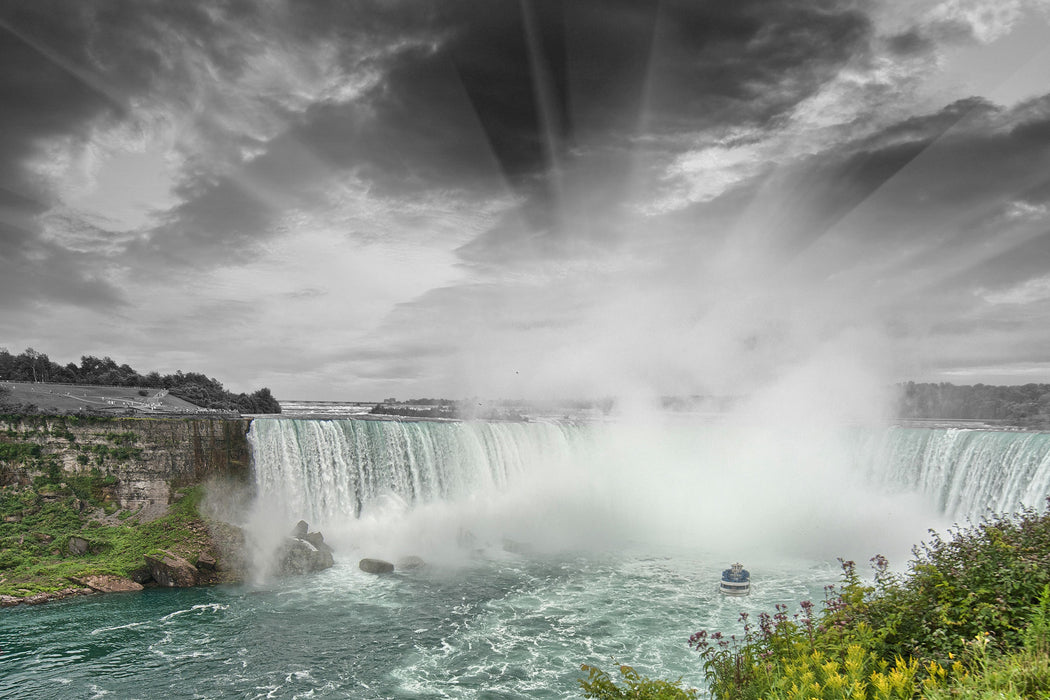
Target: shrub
(600,686)
(17,452)
(970,617)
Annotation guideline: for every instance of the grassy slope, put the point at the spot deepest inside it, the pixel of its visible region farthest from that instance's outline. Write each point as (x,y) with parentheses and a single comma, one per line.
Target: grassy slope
(70,398)
(34,552)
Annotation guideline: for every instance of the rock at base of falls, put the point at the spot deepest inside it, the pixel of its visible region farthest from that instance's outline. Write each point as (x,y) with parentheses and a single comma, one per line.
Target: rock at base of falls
(304,553)
(375,566)
(104,583)
(409,563)
(172,570)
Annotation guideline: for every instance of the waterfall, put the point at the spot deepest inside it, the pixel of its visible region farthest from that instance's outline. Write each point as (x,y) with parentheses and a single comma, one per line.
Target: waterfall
(332,469)
(963,472)
(729,488)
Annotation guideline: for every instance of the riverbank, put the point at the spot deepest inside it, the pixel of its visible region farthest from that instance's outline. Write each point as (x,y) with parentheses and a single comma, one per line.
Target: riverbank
(60,540)
(85,500)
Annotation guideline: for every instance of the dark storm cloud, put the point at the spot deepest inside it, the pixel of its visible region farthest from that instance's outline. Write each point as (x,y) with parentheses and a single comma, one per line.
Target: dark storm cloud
(65,64)
(40,94)
(39,271)
(749,61)
(934,175)
(469,90)
(44,273)
(558,86)
(545,77)
(68,67)
(909,43)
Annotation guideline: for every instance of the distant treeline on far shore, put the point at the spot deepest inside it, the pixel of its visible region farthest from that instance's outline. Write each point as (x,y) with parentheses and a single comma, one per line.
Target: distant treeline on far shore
(33,366)
(1025,405)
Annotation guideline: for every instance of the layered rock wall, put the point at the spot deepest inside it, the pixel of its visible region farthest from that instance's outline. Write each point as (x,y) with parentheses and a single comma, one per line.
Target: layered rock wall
(145,458)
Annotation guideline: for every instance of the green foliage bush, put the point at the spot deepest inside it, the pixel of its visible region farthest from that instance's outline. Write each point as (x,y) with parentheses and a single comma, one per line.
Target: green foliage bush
(18,452)
(600,686)
(970,619)
(33,550)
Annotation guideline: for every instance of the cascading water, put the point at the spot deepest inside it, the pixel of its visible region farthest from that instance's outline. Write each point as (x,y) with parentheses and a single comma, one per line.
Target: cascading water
(809,494)
(965,473)
(499,622)
(332,469)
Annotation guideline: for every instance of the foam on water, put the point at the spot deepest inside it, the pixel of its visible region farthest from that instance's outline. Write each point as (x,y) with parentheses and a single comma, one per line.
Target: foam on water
(582,545)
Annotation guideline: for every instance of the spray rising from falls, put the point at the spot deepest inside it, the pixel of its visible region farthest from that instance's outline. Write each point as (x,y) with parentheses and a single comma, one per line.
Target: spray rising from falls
(397,483)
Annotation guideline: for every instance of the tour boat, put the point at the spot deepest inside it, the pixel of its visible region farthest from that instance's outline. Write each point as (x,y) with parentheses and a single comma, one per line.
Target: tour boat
(736,580)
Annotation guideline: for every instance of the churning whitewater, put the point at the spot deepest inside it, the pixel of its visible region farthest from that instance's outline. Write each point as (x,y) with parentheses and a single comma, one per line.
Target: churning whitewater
(547,545)
(656,482)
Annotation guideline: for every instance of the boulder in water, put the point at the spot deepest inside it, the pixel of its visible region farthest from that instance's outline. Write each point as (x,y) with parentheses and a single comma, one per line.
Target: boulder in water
(298,556)
(304,552)
(409,563)
(375,566)
(515,547)
(141,575)
(172,571)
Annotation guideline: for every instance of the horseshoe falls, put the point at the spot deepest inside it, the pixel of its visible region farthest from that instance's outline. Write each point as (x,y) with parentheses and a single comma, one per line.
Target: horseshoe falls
(963,473)
(547,546)
(399,486)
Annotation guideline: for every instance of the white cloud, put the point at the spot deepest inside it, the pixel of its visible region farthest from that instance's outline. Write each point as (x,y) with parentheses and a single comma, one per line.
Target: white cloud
(1028,292)
(870,92)
(988,20)
(706,172)
(1025,211)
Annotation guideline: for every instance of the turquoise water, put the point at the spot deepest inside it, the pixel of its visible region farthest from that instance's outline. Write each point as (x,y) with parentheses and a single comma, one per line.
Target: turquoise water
(612,515)
(500,626)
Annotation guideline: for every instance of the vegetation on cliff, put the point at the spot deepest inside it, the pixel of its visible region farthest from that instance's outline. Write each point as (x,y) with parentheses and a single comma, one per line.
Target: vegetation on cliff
(198,389)
(970,619)
(66,526)
(88,496)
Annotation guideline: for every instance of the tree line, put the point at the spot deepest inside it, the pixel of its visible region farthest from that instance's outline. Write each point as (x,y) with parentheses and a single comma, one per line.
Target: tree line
(198,389)
(1024,405)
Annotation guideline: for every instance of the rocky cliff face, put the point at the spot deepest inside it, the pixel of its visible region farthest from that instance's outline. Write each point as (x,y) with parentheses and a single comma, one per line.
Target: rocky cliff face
(143,458)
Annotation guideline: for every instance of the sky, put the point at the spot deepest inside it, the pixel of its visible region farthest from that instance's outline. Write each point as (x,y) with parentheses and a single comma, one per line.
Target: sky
(529,198)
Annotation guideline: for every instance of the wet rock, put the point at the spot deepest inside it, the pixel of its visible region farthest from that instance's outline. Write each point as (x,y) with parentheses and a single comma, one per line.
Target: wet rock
(78,546)
(108,584)
(375,566)
(7,601)
(515,547)
(172,571)
(304,552)
(206,562)
(298,556)
(141,575)
(409,563)
(314,538)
